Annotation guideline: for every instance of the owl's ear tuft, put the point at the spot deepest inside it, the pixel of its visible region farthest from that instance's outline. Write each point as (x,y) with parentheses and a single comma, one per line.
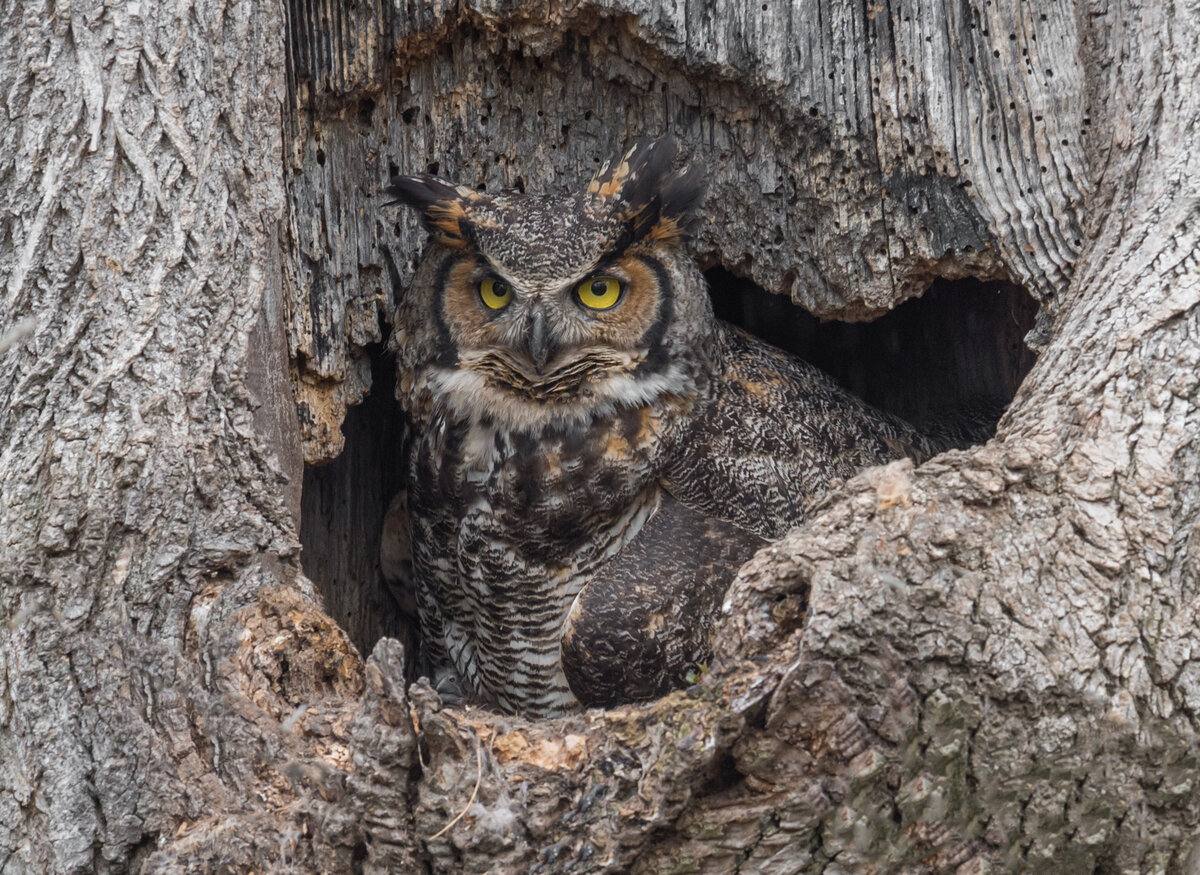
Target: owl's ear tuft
(654,202)
(680,197)
(444,207)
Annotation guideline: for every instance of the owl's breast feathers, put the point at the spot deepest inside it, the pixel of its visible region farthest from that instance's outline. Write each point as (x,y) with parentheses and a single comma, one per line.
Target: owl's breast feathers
(509,526)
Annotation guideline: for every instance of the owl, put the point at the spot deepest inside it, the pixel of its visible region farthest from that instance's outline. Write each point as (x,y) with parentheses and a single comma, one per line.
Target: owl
(594,453)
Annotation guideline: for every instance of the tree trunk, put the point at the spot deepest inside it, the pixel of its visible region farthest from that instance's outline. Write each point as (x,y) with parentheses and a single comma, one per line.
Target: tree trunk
(989,662)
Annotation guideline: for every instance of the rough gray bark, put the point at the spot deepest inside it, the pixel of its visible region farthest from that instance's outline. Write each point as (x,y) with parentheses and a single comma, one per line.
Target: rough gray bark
(989,662)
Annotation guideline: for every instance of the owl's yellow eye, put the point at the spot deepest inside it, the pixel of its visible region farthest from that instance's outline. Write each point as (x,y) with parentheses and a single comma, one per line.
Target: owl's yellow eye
(599,293)
(495,294)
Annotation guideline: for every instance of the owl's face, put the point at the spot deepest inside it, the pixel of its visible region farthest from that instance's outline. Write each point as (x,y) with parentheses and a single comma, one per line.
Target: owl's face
(556,308)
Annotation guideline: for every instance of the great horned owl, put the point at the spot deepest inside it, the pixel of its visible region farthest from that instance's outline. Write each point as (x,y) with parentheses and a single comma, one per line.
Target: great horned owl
(595,454)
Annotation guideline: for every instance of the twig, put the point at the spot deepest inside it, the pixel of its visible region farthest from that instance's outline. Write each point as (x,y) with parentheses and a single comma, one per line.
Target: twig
(471,801)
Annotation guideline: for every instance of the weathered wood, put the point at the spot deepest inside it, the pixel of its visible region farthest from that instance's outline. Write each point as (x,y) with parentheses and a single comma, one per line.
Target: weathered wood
(989,662)
(140,511)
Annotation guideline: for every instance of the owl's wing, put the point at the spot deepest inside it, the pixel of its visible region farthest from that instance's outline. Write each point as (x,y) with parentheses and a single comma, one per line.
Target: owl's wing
(645,618)
(776,432)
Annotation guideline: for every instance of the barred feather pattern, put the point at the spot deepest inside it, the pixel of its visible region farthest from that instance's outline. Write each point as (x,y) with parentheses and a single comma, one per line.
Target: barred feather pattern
(505,539)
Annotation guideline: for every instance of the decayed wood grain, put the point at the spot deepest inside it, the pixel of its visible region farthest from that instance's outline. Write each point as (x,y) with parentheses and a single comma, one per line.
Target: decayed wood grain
(987,663)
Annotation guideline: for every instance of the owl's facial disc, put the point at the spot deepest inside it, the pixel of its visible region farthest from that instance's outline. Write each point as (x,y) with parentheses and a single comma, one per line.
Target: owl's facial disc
(548,307)
(557,340)
(542,341)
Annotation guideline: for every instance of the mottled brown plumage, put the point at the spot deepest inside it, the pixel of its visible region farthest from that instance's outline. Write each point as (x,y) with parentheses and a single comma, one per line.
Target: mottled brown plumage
(646,617)
(595,454)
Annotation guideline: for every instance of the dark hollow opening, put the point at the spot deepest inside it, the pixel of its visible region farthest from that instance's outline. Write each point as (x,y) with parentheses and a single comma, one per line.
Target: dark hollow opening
(960,342)
(342,508)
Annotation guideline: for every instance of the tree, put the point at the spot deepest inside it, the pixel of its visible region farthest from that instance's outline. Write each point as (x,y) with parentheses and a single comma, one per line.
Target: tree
(990,661)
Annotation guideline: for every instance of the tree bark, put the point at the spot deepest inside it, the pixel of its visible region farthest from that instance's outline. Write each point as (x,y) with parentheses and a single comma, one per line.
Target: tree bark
(989,662)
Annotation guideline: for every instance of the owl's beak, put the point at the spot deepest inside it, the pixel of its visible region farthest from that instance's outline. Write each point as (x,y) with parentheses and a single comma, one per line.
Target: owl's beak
(537,340)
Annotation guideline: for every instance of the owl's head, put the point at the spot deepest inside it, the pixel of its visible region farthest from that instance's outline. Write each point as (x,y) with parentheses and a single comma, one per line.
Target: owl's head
(531,309)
